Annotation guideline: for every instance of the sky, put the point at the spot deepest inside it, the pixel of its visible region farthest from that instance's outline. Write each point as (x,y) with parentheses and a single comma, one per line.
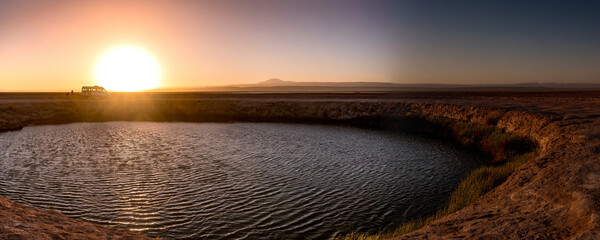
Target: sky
(57,45)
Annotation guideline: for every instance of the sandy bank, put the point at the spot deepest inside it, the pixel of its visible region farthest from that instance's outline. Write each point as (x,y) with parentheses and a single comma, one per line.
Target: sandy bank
(554,196)
(18,221)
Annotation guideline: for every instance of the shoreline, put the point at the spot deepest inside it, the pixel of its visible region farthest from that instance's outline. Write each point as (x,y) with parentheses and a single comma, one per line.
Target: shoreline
(552,195)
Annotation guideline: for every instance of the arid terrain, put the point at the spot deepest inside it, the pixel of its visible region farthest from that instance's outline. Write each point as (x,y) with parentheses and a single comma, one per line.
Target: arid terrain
(554,196)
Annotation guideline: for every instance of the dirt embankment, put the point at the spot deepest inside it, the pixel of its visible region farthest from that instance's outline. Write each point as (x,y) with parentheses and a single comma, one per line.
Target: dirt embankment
(555,195)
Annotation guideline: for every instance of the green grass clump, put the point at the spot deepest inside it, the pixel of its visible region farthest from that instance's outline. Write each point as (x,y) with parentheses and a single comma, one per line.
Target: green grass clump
(481,181)
(507,152)
(492,141)
(477,183)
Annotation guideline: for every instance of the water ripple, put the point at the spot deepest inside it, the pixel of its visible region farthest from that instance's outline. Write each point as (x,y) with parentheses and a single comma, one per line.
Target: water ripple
(230,180)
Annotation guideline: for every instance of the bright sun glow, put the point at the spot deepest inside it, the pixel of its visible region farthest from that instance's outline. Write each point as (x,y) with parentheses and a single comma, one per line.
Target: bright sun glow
(127,69)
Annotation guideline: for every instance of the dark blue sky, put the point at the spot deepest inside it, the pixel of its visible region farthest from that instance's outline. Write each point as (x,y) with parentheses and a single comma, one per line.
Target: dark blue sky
(500,41)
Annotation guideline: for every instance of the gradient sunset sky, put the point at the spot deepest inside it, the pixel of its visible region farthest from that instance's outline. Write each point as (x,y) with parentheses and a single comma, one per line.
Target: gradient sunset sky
(56,45)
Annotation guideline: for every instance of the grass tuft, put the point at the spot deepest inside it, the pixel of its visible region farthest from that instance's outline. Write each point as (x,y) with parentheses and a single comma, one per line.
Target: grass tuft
(506,153)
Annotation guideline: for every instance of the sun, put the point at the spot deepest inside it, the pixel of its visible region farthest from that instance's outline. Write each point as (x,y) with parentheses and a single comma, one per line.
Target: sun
(127,69)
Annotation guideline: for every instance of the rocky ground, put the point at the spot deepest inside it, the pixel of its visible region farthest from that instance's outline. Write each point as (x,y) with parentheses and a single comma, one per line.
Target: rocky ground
(555,196)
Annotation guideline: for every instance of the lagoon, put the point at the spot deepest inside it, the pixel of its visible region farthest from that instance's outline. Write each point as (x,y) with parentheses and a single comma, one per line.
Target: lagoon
(231,180)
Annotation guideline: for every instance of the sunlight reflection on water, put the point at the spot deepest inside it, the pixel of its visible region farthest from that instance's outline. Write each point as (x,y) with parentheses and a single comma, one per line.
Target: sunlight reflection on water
(230,180)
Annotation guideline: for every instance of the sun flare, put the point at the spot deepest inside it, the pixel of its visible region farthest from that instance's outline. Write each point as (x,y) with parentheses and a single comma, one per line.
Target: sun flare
(127,69)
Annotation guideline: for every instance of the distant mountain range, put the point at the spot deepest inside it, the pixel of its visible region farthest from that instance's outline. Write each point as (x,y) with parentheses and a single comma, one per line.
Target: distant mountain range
(278,85)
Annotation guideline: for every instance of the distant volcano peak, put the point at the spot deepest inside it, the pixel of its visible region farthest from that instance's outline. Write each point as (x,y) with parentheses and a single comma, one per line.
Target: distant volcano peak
(275,82)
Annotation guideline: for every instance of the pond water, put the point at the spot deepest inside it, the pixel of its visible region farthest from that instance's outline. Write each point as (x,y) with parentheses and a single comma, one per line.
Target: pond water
(231,180)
